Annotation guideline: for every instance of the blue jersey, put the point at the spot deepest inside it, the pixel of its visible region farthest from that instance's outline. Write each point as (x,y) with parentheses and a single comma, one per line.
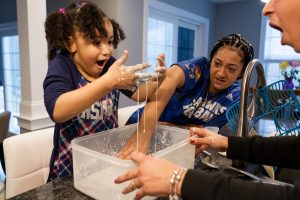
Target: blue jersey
(192,104)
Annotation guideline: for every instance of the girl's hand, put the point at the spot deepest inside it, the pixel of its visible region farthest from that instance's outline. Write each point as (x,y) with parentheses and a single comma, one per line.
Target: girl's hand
(124,77)
(204,139)
(151,177)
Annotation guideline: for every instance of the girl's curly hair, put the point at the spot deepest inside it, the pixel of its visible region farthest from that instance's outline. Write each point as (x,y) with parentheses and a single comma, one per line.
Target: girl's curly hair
(81,16)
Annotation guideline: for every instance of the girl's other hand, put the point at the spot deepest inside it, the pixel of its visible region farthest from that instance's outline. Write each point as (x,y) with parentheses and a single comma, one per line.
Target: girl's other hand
(204,138)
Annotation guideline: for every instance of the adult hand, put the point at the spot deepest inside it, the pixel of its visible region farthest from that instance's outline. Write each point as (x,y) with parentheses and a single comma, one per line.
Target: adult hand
(204,138)
(151,177)
(137,142)
(124,77)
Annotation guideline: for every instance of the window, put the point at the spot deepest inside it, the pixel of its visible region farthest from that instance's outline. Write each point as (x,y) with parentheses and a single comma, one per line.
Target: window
(186,43)
(272,53)
(160,39)
(10,90)
(175,32)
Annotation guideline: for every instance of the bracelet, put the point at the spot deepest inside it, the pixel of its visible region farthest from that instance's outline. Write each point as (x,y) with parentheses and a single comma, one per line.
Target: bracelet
(175,179)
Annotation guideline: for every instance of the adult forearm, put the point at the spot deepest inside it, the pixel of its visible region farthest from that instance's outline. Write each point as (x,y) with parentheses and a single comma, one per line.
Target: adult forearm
(201,185)
(145,91)
(279,151)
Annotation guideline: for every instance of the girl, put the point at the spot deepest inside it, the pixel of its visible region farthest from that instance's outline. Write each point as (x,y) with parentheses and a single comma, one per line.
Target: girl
(81,89)
(195,92)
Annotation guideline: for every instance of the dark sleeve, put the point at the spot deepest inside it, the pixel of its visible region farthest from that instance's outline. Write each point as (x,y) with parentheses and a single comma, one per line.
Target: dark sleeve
(60,78)
(207,186)
(128,93)
(281,151)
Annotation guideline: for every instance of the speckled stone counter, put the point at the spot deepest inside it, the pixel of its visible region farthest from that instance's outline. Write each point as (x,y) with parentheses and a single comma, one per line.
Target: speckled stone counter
(64,188)
(58,189)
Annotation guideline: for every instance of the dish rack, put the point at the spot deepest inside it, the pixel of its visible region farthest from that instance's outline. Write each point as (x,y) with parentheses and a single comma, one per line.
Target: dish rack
(276,101)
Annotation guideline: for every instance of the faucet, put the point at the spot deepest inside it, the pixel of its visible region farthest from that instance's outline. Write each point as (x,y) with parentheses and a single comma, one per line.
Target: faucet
(243,128)
(245,113)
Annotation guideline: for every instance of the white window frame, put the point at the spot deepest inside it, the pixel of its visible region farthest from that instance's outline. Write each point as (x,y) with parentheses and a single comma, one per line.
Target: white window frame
(9,29)
(178,17)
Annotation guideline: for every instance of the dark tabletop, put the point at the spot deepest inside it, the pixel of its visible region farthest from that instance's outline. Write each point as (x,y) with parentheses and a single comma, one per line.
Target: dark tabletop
(63,188)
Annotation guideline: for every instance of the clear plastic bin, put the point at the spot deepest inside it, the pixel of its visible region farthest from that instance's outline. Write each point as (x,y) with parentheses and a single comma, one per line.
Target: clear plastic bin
(95,166)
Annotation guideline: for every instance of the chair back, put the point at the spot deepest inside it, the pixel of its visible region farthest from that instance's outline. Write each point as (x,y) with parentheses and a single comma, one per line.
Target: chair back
(4,125)
(27,159)
(125,112)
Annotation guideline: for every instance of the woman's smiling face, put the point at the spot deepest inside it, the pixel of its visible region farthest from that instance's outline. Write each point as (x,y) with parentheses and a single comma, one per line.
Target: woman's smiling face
(225,68)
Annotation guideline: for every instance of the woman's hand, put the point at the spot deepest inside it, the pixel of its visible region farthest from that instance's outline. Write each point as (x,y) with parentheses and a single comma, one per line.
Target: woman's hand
(151,177)
(137,142)
(149,88)
(204,139)
(160,68)
(124,77)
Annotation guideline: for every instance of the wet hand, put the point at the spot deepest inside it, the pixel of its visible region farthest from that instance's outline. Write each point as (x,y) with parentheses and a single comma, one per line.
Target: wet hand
(204,139)
(124,77)
(136,142)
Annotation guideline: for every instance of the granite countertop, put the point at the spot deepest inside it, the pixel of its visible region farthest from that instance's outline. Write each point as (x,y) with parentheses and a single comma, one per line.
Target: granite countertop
(63,188)
(59,189)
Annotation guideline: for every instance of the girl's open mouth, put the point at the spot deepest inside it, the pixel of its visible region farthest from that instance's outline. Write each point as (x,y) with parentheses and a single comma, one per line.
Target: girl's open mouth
(100,62)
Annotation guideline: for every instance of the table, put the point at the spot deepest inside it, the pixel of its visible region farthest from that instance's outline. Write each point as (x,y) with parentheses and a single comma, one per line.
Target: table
(59,189)
(63,188)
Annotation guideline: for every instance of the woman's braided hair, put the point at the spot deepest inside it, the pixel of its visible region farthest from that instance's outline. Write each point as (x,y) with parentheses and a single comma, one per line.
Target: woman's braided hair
(82,16)
(239,42)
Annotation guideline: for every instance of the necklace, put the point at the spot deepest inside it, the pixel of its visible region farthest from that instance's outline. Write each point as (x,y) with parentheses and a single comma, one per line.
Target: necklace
(207,99)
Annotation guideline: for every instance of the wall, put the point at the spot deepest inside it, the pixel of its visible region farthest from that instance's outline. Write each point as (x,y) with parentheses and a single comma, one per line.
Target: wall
(8,11)
(53,6)
(203,8)
(240,17)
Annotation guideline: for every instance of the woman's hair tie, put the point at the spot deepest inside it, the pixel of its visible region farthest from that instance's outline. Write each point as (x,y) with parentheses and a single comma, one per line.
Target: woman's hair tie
(80,4)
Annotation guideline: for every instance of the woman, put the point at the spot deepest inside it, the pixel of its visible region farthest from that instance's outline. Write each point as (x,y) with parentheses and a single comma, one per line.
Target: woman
(195,92)
(282,151)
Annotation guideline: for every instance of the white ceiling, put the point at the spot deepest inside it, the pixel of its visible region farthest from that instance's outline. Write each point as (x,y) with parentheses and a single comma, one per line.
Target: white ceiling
(224,1)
